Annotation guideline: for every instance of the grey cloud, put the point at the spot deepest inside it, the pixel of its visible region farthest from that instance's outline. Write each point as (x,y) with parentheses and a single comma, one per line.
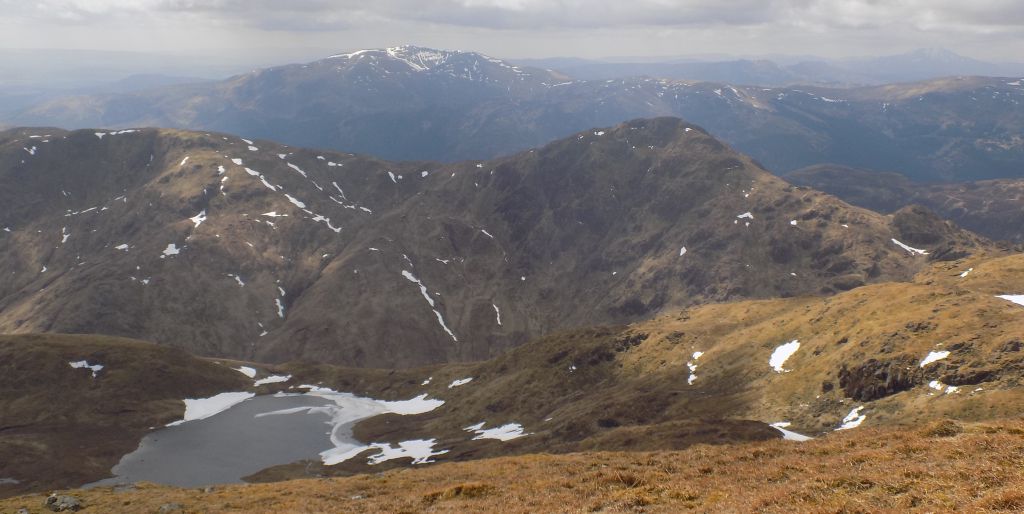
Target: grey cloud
(319,15)
(534,14)
(493,14)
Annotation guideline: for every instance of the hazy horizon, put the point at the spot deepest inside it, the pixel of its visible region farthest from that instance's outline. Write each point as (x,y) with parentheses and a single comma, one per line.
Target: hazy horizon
(986,30)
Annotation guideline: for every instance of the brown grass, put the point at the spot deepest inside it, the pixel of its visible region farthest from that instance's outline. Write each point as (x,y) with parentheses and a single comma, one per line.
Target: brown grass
(892,470)
(62,427)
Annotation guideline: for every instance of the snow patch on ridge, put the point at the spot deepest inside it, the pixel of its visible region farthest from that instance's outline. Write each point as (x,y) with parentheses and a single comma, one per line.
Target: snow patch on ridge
(95,368)
(781,354)
(426,295)
(787,434)
(171,249)
(247,371)
(460,382)
(934,356)
(1015,298)
(198,219)
(692,366)
(853,419)
(275,379)
(910,249)
(505,432)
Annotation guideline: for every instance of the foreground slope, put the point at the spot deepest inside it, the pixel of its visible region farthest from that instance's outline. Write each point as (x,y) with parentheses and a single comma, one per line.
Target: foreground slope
(900,354)
(988,207)
(943,467)
(256,250)
(418,103)
(886,355)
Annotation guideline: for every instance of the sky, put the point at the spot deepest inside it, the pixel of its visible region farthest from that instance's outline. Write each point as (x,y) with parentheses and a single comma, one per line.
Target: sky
(274,30)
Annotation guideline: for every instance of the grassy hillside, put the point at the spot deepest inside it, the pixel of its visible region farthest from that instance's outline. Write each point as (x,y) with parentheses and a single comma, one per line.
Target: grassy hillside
(630,387)
(891,355)
(939,467)
(61,426)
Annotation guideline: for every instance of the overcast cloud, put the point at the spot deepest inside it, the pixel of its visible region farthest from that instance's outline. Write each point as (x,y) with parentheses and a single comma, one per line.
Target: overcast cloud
(987,29)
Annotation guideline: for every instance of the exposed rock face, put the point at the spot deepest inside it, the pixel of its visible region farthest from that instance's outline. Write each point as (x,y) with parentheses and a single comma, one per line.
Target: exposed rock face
(876,379)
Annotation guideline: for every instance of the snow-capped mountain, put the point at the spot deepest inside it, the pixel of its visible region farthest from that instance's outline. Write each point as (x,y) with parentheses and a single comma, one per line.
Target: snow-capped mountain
(411,103)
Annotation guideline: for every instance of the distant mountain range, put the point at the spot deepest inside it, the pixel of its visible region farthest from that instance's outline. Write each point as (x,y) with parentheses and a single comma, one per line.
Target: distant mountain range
(991,208)
(258,250)
(412,103)
(916,66)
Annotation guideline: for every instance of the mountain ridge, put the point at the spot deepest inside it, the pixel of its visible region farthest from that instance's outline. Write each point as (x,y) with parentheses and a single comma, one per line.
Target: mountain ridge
(784,71)
(278,253)
(469,106)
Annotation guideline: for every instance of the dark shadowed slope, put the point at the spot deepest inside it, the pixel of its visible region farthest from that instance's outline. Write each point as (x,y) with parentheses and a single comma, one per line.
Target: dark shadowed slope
(992,208)
(232,248)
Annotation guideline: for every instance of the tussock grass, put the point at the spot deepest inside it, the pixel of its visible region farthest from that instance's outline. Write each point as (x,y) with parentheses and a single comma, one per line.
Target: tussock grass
(932,469)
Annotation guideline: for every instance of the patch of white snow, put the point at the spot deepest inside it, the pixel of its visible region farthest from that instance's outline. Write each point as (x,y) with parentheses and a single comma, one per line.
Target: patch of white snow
(247,371)
(853,419)
(781,354)
(934,356)
(95,368)
(1015,298)
(202,408)
(911,250)
(460,382)
(506,432)
(275,379)
(789,435)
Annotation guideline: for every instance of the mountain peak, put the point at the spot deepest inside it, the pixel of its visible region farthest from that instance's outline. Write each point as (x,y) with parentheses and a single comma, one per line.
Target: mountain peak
(416,57)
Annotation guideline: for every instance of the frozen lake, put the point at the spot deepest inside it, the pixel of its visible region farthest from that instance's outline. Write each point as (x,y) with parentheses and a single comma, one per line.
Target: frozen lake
(232,444)
(223,441)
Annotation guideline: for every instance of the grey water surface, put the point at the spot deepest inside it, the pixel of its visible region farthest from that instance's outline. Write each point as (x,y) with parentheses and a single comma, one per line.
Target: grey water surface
(229,445)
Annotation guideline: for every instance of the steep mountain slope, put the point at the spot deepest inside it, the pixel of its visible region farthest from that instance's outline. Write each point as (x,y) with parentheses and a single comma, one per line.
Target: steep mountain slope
(988,207)
(416,103)
(254,250)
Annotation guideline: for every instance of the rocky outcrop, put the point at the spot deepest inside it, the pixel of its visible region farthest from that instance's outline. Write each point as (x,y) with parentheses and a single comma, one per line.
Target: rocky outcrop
(62,503)
(876,379)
